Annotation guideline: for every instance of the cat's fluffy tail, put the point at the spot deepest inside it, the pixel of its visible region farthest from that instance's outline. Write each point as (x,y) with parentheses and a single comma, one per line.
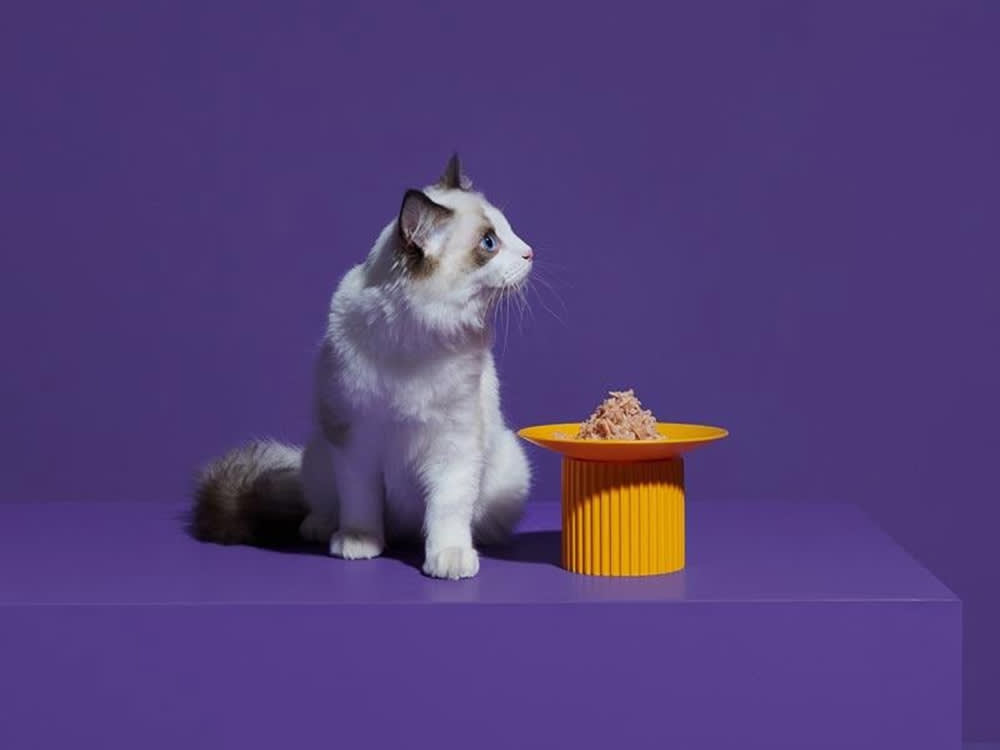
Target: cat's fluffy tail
(252,495)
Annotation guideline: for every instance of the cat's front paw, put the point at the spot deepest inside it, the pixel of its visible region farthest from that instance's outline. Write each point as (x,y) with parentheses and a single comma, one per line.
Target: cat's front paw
(452,562)
(355,545)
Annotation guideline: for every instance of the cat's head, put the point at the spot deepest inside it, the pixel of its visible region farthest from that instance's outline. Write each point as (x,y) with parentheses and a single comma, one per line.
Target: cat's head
(457,253)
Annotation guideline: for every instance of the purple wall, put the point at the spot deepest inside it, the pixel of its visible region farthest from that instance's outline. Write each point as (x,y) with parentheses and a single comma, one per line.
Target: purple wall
(777,217)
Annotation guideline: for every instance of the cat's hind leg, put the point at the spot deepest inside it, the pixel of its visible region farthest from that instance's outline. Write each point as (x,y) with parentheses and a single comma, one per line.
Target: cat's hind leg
(320,490)
(504,488)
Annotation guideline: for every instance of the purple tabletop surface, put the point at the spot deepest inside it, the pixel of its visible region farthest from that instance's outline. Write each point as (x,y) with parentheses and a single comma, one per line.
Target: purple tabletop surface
(139,553)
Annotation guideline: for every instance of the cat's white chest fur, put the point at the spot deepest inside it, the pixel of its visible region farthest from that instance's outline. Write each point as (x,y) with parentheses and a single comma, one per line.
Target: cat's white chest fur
(395,413)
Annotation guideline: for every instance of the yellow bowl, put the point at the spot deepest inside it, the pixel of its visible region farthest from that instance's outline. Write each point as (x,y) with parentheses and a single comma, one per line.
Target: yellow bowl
(623,500)
(677,439)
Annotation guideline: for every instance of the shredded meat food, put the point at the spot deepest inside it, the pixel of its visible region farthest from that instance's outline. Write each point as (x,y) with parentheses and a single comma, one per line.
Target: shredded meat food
(620,417)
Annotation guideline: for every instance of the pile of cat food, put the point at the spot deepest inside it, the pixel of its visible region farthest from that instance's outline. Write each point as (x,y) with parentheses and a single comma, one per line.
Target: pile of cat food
(620,417)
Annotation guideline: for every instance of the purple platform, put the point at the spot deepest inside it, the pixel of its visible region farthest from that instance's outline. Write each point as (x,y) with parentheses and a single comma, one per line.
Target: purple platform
(793,626)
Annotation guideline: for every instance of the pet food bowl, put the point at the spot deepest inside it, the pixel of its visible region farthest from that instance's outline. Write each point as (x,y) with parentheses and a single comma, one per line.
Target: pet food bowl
(623,500)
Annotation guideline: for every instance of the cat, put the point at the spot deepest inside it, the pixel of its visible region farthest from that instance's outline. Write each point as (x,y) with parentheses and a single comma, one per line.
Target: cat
(409,442)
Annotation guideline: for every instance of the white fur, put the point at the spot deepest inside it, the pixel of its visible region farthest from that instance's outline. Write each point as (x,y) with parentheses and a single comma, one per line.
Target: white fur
(406,371)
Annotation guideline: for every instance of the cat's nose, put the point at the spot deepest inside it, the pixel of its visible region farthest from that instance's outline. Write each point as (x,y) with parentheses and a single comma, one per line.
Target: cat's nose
(528,254)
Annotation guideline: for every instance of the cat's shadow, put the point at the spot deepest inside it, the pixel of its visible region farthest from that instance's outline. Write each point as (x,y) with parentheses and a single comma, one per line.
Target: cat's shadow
(528,547)
(534,547)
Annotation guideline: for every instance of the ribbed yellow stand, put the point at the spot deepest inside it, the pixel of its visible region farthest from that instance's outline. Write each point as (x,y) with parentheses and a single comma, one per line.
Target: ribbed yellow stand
(623,519)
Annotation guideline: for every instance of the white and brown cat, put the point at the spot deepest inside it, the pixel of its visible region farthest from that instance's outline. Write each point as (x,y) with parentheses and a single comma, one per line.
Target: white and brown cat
(409,440)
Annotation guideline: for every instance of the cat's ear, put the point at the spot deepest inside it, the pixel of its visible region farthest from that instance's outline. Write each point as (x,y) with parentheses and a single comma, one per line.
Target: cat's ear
(419,217)
(453,179)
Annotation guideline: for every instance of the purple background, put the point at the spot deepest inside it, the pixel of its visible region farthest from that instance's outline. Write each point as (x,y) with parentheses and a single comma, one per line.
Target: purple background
(779,217)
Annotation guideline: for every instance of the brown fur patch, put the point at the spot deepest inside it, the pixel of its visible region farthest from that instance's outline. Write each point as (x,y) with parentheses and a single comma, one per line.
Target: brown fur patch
(417,216)
(414,262)
(453,179)
(479,257)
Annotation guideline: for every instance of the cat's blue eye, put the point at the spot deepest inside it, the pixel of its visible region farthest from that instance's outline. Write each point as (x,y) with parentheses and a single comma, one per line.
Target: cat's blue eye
(489,242)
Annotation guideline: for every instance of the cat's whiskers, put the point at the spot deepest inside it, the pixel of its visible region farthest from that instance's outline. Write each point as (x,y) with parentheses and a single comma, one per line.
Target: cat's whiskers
(517,291)
(501,301)
(507,316)
(536,283)
(525,305)
(543,260)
